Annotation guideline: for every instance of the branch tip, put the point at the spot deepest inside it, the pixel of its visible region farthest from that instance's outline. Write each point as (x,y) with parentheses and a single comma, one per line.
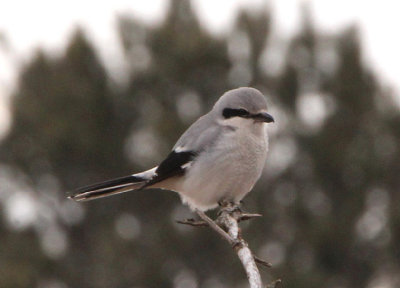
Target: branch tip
(262,262)
(248,216)
(192,222)
(275,284)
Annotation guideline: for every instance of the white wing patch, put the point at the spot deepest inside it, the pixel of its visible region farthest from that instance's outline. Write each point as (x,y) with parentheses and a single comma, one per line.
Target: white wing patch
(148,174)
(187,165)
(180,149)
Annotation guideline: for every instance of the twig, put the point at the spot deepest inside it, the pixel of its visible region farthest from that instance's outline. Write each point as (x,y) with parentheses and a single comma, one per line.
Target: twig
(274,284)
(216,228)
(262,262)
(227,226)
(248,216)
(228,219)
(192,222)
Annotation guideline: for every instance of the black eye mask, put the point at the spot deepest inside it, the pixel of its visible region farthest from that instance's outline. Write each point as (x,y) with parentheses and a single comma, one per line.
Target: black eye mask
(229,113)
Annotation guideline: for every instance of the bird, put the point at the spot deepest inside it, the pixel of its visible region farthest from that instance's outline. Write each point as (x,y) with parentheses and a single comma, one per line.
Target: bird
(220,157)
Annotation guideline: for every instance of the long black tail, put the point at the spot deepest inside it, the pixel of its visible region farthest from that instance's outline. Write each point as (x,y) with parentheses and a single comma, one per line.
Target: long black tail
(108,188)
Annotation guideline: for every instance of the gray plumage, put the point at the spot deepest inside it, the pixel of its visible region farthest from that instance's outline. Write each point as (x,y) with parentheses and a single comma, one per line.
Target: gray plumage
(219,157)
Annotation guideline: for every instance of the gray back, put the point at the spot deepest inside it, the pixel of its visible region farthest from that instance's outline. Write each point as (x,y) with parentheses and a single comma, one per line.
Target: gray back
(206,130)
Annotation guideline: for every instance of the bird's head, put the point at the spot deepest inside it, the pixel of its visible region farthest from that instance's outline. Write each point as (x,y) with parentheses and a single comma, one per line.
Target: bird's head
(243,103)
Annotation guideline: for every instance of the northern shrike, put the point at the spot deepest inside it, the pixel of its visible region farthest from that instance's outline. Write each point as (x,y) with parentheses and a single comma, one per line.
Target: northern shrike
(220,157)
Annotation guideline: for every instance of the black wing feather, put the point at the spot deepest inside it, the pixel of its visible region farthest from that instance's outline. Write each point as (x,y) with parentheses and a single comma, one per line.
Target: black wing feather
(172,166)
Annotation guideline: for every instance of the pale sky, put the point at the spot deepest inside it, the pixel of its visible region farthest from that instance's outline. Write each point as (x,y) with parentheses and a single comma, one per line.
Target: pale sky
(29,24)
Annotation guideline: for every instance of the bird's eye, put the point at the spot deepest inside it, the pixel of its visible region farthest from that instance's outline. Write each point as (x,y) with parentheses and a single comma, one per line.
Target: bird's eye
(230,112)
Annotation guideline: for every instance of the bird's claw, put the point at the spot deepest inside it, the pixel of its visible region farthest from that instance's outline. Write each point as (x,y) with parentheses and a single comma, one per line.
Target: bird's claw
(228,206)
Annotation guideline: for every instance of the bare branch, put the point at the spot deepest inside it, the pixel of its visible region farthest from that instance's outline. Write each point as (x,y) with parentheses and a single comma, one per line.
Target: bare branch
(227,226)
(228,219)
(216,228)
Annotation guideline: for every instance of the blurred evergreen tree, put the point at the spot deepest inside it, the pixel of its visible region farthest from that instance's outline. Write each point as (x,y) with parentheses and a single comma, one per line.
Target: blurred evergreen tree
(325,179)
(62,112)
(64,124)
(257,29)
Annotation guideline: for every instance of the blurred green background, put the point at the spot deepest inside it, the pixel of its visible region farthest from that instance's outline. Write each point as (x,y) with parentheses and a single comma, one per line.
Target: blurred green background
(329,193)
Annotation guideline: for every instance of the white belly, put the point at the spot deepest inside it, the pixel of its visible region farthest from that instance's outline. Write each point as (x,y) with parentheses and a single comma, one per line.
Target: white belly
(228,171)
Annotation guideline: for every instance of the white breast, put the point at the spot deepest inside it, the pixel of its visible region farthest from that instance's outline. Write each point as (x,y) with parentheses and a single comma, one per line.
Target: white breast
(227,170)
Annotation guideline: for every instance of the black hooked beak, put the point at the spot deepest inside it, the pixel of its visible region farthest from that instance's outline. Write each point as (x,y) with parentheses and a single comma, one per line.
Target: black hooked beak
(263,117)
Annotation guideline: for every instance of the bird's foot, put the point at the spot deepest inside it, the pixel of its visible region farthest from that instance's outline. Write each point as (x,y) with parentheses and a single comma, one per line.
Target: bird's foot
(233,208)
(228,206)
